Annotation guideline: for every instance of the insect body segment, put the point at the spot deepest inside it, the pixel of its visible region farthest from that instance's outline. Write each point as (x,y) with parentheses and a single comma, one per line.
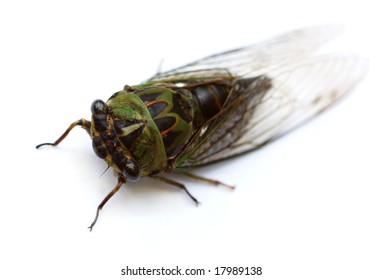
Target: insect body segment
(175,114)
(228,125)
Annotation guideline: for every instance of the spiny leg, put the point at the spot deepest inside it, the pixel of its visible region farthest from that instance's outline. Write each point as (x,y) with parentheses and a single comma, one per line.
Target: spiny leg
(176,184)
(83,123)
(207,180)
(121,181)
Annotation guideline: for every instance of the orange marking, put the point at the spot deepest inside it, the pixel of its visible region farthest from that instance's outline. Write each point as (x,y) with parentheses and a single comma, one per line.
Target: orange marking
(170,128)
(216,101)
(156,101)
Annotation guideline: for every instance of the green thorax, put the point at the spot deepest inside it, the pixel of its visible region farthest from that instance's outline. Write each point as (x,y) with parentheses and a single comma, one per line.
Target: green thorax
(154,123)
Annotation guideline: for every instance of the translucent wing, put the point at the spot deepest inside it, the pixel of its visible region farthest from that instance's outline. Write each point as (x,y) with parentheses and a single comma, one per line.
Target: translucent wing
(290,87)
(254,60)
(298,92)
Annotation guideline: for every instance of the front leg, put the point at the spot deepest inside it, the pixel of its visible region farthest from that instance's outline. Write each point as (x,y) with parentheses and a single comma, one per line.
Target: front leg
(83,123)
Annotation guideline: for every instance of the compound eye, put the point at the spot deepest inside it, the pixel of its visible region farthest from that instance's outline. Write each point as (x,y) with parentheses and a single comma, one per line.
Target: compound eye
(132,171)
(98,107)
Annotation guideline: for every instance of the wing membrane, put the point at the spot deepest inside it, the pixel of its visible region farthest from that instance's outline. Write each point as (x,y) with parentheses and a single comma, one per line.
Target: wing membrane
(302,86)
(298,93)
(257,59)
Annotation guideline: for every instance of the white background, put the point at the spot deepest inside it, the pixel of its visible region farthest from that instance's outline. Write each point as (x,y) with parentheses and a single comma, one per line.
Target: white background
(306,207)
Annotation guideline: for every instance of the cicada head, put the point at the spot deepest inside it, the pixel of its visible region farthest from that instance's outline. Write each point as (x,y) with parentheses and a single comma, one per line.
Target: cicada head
(106,144)
(125,137)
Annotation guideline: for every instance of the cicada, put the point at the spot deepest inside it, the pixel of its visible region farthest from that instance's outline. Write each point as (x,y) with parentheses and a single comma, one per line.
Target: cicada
(217,107)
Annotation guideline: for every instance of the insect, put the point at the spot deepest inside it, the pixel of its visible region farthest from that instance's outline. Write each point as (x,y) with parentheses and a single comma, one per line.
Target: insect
(217,107)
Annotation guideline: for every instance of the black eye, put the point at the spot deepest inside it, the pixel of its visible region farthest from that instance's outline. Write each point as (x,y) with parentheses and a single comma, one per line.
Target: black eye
(131,171)
(98,107)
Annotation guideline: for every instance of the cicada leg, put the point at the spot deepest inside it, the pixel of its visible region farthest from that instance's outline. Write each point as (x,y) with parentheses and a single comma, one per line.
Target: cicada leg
(121,181)
(178,185)
(83,123)
(207,180)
